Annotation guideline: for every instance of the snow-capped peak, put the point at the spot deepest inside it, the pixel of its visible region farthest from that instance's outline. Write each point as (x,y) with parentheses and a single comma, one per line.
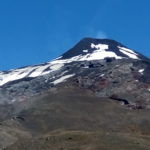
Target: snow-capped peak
(95,49)
(86,50)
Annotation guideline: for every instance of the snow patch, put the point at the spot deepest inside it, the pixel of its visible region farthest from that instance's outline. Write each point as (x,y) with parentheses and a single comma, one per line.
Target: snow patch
(86,67)
(100,46)
(62,79)
(102,75)
(141,71)
(99,54)
(55,67)
(15,74)
(85,51)
(31,71)
(38,71)
(128,52)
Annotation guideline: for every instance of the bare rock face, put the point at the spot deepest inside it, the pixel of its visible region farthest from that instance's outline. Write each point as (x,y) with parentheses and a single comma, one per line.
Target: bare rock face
(97,88)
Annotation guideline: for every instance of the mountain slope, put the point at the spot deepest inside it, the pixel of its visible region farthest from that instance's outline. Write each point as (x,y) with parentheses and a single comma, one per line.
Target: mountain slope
(98,87)
(68,118)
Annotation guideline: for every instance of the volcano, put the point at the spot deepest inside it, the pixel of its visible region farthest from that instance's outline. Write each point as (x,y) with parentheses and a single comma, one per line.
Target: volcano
(94,96)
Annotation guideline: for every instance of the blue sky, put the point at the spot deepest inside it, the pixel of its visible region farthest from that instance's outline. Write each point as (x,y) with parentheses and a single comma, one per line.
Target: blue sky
(36,31)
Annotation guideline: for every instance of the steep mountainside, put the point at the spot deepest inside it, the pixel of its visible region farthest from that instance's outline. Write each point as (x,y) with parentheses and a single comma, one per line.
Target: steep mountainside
(98,91)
